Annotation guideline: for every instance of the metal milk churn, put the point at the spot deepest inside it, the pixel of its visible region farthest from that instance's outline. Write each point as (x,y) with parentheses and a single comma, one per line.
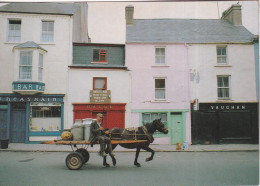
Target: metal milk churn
(185,145)
(77,130)
(86,124)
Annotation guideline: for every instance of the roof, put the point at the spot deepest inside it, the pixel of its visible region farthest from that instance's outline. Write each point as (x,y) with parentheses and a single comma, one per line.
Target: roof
(29,44)
(41,8)
(186,31)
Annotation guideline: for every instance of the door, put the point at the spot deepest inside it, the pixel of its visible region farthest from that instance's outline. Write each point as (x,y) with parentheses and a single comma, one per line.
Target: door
(3,124)
(18,123)
(177,128)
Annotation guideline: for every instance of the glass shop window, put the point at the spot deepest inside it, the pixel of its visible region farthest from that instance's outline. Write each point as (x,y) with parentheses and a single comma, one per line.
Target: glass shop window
(149,117)
(45,118)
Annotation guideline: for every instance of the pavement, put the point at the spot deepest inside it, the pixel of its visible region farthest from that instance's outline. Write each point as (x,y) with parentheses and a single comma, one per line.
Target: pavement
(22,147)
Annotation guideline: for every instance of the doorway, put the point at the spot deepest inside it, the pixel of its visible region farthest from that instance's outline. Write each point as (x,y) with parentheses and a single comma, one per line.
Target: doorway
(177,128)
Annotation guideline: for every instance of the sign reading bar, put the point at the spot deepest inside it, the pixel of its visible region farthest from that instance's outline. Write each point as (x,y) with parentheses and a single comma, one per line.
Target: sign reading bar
(100,96)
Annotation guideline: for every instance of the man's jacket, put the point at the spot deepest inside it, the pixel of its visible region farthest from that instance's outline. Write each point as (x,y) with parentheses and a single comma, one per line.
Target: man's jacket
(94,131)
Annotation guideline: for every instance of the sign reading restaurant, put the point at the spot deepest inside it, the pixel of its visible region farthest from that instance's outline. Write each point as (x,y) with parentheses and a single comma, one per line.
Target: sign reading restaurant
(40,98)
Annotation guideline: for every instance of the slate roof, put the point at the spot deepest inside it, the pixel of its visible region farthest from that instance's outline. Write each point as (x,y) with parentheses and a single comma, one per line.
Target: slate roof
(41,8)
(29,44)
(186,31)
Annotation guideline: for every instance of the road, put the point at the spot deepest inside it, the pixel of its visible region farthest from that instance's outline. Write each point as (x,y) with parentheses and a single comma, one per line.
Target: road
(167,168)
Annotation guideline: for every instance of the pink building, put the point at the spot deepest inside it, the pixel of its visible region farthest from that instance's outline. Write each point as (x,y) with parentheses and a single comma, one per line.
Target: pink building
(160,79)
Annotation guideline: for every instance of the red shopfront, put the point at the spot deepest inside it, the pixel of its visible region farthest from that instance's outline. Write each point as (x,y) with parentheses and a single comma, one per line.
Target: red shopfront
(114,113)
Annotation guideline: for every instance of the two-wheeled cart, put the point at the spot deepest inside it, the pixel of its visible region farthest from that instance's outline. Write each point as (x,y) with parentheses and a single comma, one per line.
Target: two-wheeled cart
(79,156)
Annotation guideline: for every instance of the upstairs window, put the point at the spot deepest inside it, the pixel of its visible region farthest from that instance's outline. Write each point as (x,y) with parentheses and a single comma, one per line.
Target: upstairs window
(160,89)
(99,83)
(47,31)
(40,67)
(25,65)
(223,87)
(99,55)
(222,55)
(160,56)
(14,32)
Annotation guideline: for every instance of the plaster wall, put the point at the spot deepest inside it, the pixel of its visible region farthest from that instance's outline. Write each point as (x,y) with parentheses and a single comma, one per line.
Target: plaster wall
(81,82)
(204,69)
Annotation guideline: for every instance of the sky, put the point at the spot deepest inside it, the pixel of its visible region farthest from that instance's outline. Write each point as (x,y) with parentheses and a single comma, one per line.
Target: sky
(106,20)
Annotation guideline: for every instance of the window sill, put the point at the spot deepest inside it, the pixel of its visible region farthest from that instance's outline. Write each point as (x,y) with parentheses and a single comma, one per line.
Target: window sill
(223,65)
(47,43)
(99,62)
(160,66)
(224,100)
(7,42)
(160,101)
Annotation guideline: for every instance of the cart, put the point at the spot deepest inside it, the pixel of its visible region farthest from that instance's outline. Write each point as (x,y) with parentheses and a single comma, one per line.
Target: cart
(79,156)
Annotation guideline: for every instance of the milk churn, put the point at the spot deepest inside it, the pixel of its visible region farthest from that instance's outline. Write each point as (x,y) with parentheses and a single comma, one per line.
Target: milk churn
(86,124)
(77,131)
(185,145)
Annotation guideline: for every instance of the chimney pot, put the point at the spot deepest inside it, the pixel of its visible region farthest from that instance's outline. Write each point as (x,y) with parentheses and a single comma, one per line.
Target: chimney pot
(129,14)
(233,14)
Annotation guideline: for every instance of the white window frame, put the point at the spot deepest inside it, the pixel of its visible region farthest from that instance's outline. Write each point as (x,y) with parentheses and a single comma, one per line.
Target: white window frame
(222,56)
(160,64)
(40,68)
(47,32)
(18,40)
(165,79)
(229,87)
(19,75)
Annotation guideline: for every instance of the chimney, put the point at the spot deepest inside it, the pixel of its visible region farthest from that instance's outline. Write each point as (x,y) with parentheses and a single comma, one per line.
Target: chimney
(84,22)
(129,14)
(233,14)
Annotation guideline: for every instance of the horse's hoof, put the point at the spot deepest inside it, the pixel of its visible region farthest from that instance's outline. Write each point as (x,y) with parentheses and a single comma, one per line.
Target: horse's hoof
(107,165)
(148,159)
(137,164)
(114,162)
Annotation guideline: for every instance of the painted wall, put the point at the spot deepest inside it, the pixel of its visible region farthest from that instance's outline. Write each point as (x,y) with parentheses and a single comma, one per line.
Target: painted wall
(81,82)
(140,59)
(204,69)
(56,60)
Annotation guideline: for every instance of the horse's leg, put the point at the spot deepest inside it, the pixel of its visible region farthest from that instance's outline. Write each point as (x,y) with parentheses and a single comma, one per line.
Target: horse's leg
(110,149)
(105,159)
(149,150)
(136,157)
(112,157)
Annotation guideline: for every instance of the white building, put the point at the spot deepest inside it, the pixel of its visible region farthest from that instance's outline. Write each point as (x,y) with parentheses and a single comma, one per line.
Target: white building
(223,89)
(36,49)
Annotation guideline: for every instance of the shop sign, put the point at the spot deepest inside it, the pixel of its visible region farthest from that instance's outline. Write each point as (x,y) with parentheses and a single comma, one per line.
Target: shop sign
(37,86)
(99,106)
(223,107)
(12,98)
(100,96)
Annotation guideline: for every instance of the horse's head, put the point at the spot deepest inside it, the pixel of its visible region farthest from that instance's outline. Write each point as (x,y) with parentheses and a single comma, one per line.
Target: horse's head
(160,126)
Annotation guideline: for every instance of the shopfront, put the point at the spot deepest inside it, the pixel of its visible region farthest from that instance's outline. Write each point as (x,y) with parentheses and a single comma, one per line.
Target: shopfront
(114,113)
(216,123)
(31,118)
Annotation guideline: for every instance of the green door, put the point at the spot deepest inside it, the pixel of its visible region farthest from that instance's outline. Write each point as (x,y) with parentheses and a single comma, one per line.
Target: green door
(177,128)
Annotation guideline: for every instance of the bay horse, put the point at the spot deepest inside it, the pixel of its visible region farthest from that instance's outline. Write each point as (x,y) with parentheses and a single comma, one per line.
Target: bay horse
(141,133)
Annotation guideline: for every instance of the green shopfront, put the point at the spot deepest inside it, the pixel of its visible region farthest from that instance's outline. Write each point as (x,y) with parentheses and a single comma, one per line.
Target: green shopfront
(31,118)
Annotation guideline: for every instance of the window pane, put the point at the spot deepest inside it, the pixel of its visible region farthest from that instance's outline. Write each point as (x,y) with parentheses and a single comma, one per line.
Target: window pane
(102,57)
(159,83)
(160,55)
(155,116)
(146,118)
(26,58)
(223,51)
(100,83)
(96,55)
(163,117)
(218,51)
(47,31)
(14,33)
(25,73)
(160,94)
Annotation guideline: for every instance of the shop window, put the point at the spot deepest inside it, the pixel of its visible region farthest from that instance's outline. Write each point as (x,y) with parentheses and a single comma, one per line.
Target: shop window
(45,118)
(47,31)
(14,30)
(160,89)
(223,87)
(25,65)
(222,55)
(3,106)
(99,55)
(99,83)
(149,117)
(159,55)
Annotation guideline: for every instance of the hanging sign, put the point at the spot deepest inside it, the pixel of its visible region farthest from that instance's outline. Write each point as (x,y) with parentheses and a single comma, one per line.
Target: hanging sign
(100,96)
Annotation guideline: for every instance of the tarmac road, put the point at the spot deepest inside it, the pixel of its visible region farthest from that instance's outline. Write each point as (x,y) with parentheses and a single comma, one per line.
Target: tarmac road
(167,168)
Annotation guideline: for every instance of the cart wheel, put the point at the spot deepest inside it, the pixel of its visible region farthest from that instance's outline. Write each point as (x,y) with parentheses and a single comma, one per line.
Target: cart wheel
(84,153)
(74,161)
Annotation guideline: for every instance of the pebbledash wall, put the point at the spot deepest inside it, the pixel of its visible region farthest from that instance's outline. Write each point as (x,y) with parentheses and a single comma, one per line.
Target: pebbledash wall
(174,110)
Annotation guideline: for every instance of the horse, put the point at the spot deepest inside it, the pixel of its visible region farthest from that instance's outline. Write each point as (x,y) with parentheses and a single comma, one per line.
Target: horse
(140,133)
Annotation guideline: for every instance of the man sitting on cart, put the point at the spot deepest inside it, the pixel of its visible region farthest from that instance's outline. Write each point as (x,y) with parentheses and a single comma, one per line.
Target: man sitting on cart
(97,133)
